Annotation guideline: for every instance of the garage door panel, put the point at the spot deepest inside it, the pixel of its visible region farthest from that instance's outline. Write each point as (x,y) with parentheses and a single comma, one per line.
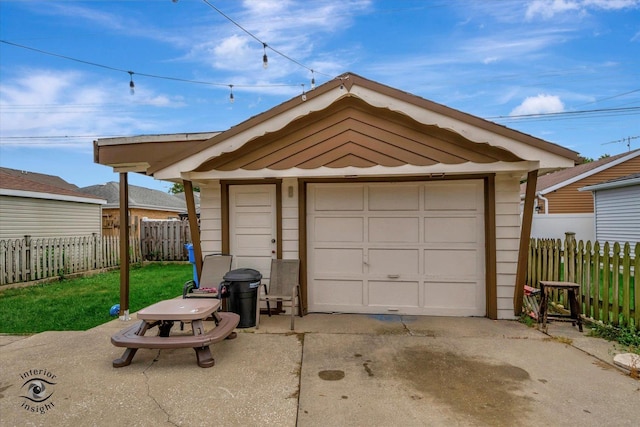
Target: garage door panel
(450,229)
(394,261)
(452,196)
(443,263)
(394,294)
(394,198)
(339,198)
(338,261)
(324,292)
(446,295)
(338,229)
(393,230)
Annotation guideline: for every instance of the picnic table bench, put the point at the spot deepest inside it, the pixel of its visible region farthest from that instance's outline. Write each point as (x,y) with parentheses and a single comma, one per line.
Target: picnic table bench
(163,316)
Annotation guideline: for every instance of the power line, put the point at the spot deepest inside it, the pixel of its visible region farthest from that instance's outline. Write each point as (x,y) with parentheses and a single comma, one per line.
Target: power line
(609,97)
(605,111)
(131,73)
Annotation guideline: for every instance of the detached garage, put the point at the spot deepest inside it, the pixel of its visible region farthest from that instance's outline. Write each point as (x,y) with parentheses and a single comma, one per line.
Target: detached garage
(392,203)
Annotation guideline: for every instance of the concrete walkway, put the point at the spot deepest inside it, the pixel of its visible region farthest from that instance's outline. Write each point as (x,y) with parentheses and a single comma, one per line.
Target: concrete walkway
(335,370)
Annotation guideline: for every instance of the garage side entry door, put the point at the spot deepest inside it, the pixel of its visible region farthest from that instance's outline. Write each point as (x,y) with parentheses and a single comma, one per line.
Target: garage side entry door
(405,248)
(252,226)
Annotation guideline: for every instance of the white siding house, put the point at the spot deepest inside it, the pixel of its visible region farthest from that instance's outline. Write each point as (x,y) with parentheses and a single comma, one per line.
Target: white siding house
(617,209)
(36,209)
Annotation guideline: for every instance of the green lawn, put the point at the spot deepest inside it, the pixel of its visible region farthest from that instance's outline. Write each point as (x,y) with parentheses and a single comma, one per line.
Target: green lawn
(82,303)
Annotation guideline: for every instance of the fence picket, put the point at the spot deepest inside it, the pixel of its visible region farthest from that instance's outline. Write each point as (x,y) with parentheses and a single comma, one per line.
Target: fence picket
(606,269)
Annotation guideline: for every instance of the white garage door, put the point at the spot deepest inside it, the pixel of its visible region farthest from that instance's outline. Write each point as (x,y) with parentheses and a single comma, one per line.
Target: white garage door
(406,248)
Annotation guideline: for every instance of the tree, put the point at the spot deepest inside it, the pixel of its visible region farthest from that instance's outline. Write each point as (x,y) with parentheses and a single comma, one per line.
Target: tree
(179,188)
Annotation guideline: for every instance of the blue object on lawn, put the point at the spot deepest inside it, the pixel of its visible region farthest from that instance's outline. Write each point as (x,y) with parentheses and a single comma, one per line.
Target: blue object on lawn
(115,310)
(192,260)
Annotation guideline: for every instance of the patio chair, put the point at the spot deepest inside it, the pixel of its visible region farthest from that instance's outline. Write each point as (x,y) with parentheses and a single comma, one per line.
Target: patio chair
(284,285)
(214,267)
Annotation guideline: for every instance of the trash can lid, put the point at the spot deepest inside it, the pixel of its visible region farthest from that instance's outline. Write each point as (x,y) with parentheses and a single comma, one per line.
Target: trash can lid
(243,275)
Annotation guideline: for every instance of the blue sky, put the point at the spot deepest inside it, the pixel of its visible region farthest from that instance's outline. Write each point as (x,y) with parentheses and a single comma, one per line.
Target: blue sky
(64,66)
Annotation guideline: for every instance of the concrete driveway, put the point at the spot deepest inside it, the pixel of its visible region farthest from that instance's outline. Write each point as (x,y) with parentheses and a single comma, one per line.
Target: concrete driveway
(334,370)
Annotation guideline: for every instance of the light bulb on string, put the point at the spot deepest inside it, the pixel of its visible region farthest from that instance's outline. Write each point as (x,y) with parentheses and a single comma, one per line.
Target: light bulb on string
(132,85)
(231,99)
(265,60)
(304,95)
(313,80)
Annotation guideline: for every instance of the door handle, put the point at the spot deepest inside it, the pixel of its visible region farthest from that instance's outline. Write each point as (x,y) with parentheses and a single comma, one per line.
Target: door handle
(393,276)
(273,240)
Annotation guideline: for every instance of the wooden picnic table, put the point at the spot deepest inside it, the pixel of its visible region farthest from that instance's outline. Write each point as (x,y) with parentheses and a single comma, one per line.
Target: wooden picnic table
(163,314)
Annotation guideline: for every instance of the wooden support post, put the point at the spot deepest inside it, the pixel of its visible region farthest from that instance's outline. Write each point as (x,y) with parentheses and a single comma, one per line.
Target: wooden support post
(124,246)
(193,226)
(525,235)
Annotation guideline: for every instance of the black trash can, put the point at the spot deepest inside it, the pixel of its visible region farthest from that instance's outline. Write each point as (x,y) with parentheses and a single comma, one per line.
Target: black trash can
(241,288)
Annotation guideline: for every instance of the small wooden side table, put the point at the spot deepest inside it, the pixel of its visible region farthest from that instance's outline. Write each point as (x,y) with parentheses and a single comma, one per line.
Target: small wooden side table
(573,291)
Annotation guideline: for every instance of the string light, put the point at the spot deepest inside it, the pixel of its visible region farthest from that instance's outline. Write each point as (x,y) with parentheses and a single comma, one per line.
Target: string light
(231,99)
(304,95)
(265,60)
(132,85)
(313,80)
(153,76)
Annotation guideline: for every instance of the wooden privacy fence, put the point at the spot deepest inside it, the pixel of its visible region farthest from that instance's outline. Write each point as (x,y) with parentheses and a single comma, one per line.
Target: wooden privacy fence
(28,259)
(606,275)
(164,240)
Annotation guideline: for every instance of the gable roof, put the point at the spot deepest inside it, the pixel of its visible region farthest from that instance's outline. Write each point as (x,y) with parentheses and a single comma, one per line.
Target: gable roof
(21,185)
(139,197)
(42,178)
(350,133)
(623,181)
(349,123)
(556,180)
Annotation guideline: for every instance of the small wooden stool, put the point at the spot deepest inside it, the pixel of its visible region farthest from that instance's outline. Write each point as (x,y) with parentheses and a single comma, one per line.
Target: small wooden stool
(573,290)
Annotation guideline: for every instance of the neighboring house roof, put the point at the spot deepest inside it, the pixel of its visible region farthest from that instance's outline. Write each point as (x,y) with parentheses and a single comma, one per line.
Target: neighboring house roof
(139,197)
(623,181)
(556,180)
(196,198)
(21,185)
(42,178)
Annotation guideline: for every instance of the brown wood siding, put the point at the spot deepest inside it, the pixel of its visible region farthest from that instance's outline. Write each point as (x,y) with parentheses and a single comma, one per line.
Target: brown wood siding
(353,133)
(569,200)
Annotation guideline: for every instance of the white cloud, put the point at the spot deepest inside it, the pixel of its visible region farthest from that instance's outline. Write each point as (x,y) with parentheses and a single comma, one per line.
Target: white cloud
(547,9)
(44,103)
(539,104)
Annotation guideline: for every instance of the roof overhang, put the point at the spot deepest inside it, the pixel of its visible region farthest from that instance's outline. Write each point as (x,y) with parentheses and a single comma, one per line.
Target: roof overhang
(140,153)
